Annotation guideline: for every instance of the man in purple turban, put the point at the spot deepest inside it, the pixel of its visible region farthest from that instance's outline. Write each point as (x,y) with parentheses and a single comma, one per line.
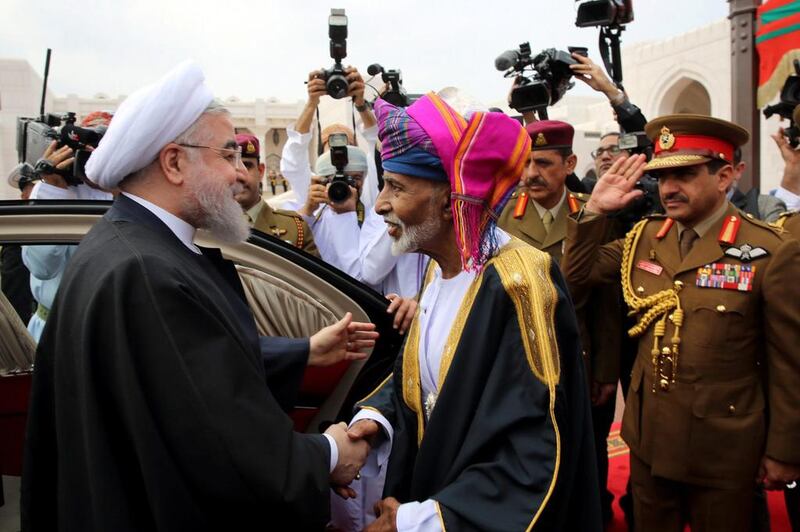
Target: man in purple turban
(484,423)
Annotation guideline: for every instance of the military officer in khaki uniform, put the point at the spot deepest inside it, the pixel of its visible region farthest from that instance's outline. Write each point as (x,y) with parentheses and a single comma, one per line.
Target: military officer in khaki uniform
(713,400)
(537,211)
(537,214)
(286,225)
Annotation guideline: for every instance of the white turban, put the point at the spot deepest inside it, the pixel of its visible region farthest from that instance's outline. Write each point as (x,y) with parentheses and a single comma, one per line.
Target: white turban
(356,162)
(148,120)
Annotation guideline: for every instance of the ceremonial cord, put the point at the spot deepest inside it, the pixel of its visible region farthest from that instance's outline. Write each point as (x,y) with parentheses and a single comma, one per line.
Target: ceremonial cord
(655,307)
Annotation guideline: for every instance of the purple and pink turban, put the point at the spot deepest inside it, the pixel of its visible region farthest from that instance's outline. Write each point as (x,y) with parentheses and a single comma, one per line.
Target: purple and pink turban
(482,158)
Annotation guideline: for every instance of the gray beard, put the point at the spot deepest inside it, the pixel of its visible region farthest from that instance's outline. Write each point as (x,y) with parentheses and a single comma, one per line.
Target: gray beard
(411,237)
(211,206)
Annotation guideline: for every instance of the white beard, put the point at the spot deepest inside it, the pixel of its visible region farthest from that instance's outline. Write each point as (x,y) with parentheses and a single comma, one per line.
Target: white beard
(211,205)
(412,236)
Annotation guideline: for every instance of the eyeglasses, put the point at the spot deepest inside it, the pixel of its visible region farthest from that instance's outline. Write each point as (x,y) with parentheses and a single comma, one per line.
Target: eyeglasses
(612,150)
(232,155)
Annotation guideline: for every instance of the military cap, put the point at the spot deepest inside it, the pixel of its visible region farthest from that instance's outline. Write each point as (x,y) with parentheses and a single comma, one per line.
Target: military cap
(687,140)
(249,144)
(550,135)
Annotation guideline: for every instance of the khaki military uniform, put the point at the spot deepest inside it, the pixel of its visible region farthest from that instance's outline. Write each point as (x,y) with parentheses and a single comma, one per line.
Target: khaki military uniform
(716,389)
(529,227)
(286,225)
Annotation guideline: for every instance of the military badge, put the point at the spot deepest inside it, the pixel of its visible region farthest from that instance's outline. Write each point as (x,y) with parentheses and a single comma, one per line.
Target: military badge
(650,267)
(250,148)
(277,231)
(666,140)
(540,140)
(746,252)
(726,276)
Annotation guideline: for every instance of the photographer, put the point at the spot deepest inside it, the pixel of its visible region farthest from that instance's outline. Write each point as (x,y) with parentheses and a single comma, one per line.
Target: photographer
(47,263)
(295,165)
(336,226)
(789,189)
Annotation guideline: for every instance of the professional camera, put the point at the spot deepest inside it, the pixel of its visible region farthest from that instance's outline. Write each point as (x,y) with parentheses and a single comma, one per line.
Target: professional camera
(34,135)
(550,76)
(335,78)
(790,99)
(396,94)
(604,13)
(339,188)
(636,143)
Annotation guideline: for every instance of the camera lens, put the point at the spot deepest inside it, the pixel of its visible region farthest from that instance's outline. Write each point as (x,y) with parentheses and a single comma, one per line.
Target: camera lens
(336,86)
(338,191)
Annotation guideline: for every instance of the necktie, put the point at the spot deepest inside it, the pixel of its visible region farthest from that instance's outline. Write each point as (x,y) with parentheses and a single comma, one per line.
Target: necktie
(547,220)
(688,238)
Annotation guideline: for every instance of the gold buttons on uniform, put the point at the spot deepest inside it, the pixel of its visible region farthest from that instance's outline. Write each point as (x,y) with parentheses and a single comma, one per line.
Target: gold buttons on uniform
(640,289)
(678,284)
(731,409)
(721,308)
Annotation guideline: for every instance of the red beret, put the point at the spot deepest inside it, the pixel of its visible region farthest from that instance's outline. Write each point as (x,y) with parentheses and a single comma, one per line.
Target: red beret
(249,144)
(550,135)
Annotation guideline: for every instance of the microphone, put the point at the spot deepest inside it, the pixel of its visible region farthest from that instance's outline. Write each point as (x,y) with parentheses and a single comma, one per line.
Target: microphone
(506,60)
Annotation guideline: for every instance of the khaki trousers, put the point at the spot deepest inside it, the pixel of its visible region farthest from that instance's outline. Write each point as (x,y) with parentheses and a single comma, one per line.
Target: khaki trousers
(666,505)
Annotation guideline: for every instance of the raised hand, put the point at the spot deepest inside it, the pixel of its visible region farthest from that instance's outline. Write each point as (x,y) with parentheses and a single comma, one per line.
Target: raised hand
(344,340)
(317,195)
(61,158)
(615,189)
(316,87)
(404,309)
(791,163)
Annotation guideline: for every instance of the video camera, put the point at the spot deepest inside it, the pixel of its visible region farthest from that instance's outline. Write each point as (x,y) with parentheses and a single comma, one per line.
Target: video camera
(611,16)
(339,188)
(604,13)
(34,135)
(335,78)
(396,94)
(790,99)
(550,76)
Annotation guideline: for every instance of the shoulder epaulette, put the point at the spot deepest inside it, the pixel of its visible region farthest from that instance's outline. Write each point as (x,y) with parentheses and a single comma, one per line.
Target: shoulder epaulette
(782,218)
(284,212)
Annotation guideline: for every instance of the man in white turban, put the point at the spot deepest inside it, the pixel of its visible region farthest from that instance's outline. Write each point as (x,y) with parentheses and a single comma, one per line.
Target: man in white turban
(152,407)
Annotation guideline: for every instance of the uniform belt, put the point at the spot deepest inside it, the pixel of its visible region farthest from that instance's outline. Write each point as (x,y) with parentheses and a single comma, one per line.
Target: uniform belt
(42,312)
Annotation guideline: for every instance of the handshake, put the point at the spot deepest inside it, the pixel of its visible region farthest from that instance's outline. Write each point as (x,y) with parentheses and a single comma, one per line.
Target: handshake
(354,444)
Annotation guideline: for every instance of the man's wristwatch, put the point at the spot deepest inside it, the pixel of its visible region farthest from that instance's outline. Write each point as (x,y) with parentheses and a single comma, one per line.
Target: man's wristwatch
(363,107)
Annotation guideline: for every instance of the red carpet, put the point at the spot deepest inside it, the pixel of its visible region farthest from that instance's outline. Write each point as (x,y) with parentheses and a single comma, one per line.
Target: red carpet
(618,477)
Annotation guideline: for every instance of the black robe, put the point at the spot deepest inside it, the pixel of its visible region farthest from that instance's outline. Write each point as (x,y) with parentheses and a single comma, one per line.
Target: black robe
(150,408)
(509,442)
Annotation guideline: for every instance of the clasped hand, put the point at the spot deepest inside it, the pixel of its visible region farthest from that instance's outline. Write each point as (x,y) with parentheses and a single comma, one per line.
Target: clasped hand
(353,444)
